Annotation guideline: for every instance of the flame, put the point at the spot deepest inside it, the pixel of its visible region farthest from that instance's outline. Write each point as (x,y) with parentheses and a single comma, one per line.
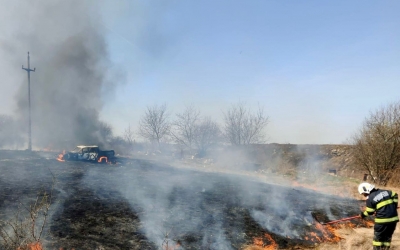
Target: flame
(368,223)
(325,233)
(260,242)
(166,246)
(32,246)
(103,157)
(61,157)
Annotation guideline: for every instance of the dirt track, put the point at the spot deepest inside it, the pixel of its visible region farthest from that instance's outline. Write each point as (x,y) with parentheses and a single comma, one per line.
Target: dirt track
(140,204)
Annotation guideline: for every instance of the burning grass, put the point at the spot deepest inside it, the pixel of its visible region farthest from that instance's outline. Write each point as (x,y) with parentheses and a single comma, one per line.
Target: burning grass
(129,205)
(265,243)
(32,246)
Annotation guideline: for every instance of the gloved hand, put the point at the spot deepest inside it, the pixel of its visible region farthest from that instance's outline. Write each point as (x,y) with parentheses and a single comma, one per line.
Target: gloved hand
(362,215)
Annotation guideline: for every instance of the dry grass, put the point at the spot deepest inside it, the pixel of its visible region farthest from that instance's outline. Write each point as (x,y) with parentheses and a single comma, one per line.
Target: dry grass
(24,230)
(357,238)
(352,239)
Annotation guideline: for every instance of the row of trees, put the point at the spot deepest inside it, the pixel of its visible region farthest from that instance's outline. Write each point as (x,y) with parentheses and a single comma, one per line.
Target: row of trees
(375,146)
(197,133)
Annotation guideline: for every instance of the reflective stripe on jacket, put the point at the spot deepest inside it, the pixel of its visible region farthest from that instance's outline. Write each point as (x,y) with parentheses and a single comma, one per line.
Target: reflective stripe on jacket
(384,204)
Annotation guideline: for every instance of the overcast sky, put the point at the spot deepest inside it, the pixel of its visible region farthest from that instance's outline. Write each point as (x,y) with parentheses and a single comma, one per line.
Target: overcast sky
(317,67)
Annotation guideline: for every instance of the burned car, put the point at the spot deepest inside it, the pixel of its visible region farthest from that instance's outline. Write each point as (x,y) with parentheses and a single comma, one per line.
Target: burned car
(88,153)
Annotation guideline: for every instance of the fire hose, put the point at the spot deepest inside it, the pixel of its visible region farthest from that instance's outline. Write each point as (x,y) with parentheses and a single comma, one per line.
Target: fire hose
(344,219)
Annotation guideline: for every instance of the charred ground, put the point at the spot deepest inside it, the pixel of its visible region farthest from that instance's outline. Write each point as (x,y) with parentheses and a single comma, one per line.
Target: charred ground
(142,204)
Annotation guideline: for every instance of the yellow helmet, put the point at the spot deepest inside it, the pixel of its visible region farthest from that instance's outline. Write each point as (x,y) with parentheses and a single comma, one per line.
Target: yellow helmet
(365,188)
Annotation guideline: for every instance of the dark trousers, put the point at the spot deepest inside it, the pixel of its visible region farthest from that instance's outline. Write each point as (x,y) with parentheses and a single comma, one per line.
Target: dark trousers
(383,235)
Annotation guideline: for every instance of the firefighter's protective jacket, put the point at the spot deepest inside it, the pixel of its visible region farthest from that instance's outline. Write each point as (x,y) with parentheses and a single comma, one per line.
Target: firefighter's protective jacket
(384,204)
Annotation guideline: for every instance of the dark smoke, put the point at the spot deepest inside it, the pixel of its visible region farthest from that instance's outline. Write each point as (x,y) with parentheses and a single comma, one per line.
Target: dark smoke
(73,72)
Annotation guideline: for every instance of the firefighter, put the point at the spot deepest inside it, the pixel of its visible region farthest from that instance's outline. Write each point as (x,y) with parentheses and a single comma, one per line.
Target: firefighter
(384,204)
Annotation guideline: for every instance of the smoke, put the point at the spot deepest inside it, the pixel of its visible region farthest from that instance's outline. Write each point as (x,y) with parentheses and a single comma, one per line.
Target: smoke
(9,133)
(181,204)
(208,207)
(211,207)
(73,76)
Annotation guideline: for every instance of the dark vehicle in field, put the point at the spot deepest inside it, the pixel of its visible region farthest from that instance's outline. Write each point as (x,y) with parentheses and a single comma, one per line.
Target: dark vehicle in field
(89,153)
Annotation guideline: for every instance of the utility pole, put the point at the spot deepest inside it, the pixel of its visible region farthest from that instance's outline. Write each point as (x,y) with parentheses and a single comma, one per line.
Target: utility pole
(29,98)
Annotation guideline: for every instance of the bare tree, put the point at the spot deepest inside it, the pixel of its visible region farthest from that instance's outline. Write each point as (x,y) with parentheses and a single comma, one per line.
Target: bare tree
(207,134)
(377,145)
(184,127)
(154,124)
(129,136)
(244,127)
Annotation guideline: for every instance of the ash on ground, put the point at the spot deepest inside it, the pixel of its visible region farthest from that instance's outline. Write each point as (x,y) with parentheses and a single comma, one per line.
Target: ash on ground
(142,204)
